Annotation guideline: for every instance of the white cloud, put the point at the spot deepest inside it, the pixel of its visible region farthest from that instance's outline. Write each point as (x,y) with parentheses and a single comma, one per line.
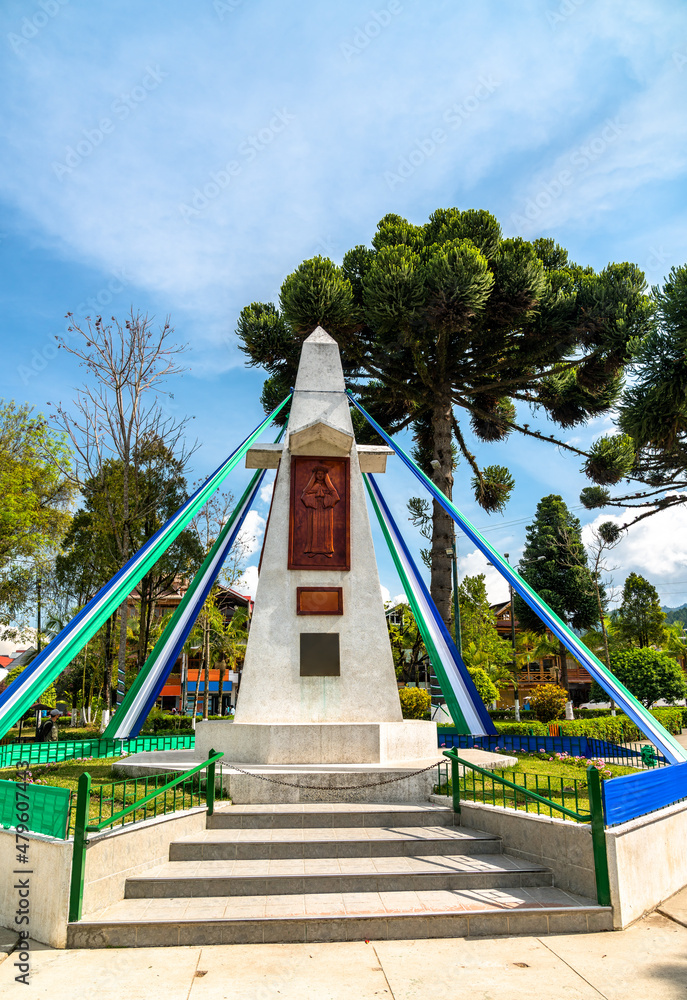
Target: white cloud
(475,563)
(247,582)
(120,205)
(266,492)
(655,548)
(251,533)
(392,601)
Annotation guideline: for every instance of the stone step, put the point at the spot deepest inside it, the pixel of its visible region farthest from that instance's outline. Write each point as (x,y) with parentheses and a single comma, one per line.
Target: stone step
(338,917)
(183,879)
(319,814)
(333,842)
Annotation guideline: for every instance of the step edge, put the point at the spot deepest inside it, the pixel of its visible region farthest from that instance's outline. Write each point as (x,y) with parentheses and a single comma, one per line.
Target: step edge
(548,910)
(536,869)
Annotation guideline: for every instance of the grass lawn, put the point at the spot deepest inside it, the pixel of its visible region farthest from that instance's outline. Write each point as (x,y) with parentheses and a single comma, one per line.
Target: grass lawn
(553,779)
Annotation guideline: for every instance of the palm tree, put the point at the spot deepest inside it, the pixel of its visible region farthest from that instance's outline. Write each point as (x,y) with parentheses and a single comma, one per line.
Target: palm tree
(525,646)
(229,643)
(544,649)
(675,642)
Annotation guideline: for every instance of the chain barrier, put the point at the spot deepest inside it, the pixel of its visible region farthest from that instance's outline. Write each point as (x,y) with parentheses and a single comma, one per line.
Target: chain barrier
(328,788)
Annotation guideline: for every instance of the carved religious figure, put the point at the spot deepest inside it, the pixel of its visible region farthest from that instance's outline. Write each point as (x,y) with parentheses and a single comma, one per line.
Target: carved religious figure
(319,521)
(320,497)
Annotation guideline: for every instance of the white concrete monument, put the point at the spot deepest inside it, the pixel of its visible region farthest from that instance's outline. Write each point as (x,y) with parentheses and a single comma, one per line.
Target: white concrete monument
(318,681)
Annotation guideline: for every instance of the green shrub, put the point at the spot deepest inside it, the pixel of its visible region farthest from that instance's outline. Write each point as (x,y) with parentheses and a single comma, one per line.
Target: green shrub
(548,702)
(486,688)
(670,718)
(502,714)
(533,728)
(615,729)
(620,728)
(415,702)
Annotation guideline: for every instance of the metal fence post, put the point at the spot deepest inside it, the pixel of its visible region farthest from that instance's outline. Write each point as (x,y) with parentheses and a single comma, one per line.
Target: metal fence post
(210,785)
(83,801)
(455,785)
(603,886)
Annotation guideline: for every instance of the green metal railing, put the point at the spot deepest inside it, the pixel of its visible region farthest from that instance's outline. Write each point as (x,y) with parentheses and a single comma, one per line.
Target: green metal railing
(513,796)
(183,791)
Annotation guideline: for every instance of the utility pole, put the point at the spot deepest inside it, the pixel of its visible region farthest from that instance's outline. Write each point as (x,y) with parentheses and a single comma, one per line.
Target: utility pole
(506,556)
(38,614)
(456,605)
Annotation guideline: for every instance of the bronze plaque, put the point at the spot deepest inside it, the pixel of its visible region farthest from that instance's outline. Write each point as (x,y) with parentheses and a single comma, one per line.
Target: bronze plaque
(319,521)
(319,601)
(320,654)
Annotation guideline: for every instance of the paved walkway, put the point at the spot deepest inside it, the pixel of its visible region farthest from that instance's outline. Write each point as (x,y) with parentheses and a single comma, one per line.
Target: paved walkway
(649,960)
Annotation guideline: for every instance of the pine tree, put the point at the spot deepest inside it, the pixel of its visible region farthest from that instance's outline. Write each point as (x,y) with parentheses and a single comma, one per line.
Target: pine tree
(639,616)
(554,564)
(448,325)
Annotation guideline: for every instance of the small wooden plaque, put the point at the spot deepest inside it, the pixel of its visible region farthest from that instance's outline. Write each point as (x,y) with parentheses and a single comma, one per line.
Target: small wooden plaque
(319,601)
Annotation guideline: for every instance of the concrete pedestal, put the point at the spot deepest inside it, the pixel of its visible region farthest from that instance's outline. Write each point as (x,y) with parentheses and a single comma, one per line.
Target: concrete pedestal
(318,743)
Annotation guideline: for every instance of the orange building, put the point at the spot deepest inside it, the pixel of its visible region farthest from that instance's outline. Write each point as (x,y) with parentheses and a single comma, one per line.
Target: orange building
(184,677)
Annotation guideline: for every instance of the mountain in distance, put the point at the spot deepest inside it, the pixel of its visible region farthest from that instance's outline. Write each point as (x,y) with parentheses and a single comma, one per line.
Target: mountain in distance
(675,614)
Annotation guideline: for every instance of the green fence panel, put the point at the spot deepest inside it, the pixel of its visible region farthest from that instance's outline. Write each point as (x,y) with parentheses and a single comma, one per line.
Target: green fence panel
(40,808)
(52,753)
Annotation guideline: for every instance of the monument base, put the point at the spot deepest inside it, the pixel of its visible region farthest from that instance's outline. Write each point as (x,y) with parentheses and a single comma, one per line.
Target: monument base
(318,743)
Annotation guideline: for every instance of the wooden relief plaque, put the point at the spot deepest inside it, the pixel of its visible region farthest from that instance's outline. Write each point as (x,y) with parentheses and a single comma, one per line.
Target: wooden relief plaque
(319,516)
(319,600)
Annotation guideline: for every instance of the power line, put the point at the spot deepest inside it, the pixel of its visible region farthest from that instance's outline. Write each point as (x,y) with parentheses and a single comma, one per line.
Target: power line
(508,524)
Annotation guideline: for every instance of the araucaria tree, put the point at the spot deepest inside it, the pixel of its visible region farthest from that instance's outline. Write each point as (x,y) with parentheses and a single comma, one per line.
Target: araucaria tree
(639,616)
(447,325)
(554,564)
(652,411)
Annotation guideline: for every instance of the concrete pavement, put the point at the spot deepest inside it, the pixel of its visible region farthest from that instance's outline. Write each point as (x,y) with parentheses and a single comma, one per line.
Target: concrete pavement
(649,960)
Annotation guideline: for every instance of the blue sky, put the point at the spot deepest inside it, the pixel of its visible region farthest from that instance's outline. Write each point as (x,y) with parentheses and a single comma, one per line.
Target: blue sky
(184,158)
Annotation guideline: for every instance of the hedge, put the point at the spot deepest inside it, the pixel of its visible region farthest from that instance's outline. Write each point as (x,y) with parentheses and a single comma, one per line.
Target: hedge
(532,728)
(617,728)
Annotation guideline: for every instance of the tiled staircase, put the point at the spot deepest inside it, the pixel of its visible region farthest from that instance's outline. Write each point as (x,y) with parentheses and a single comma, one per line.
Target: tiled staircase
(288,873)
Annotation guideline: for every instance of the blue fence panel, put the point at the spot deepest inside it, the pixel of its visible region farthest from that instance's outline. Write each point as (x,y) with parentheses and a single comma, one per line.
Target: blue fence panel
(577,746)
(635,795)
